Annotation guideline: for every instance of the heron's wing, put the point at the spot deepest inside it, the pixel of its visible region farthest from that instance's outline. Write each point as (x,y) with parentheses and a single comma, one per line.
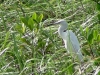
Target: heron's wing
(74,40)
(75,44)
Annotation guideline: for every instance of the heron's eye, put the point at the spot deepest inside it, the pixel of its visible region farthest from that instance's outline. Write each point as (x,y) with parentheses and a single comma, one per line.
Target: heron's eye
(64,31)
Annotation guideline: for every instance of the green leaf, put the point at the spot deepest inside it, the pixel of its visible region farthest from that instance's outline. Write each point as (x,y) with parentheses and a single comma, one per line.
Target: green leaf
(41,43)
(98,38)
(87,31)
(25,20)
(95,34)
(70,69)
(19,28)
(86,52)
(40,18)
(99,73)
(6,39)
(34,16)
(24,40)
(98,16)
(90,37)
(31,24)
(98,6)
(23,28)
(97,61)
(81,29)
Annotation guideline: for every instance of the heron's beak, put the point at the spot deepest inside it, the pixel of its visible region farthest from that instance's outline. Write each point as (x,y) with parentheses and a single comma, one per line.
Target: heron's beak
(56,23)
(47,25)
(51,24)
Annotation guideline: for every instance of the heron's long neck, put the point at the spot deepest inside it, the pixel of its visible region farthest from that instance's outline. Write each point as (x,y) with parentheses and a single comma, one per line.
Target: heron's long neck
(62,31)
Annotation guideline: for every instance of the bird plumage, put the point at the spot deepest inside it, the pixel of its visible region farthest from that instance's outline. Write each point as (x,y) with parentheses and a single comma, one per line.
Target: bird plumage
(70,39)
(72,45)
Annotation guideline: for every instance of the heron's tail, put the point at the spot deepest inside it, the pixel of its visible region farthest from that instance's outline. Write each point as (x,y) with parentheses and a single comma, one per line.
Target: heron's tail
(80,56)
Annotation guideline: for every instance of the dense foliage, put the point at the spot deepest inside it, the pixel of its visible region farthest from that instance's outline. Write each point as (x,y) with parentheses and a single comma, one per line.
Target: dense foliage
(29,48)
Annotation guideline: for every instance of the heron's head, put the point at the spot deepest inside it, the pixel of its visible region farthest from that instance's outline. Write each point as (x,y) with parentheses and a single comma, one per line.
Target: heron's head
(62,29)
(61,22)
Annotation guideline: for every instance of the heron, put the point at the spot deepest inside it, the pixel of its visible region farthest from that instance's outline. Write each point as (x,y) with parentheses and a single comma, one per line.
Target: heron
(70,39)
